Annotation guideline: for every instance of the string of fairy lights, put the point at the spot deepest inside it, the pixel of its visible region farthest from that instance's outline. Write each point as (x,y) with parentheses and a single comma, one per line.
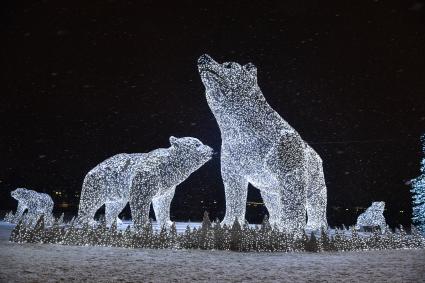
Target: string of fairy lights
(213,236)
(258,147)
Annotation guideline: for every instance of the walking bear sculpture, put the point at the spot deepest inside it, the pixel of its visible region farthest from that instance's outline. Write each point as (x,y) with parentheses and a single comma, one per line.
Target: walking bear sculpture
(141,179)
(35,203)
(259,147)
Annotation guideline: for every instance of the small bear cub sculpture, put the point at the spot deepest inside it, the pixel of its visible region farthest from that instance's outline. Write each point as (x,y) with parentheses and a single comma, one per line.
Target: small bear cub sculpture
(36,203)
(141,179)
(373,216)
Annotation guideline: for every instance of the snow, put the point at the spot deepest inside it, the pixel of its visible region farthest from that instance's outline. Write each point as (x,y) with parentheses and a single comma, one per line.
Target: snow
(52,263)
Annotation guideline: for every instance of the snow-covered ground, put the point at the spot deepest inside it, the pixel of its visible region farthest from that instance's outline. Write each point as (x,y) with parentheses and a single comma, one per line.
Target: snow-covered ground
(52,263)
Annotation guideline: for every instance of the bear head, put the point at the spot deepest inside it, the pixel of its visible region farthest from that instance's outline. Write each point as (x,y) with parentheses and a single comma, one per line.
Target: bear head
(19,193)
(378,206)
(193,150)
(227,82)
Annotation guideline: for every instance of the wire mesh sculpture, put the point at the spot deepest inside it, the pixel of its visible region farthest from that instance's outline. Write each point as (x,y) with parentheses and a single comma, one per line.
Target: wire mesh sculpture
(35,203)
(373,216)
(259,147)
(141,179)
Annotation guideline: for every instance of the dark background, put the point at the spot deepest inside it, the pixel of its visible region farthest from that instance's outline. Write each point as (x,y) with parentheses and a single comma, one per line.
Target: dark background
(84,80)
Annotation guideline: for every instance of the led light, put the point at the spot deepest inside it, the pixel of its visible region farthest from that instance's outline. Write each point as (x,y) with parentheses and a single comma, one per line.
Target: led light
(35,203)
(141,179)
(373,216)
(259,147)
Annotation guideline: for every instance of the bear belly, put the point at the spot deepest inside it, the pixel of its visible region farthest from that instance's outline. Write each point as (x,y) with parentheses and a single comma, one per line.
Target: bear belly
(265,181)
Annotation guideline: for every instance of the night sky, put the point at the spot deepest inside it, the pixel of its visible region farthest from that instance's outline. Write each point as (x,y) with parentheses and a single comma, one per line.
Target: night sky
(84,80)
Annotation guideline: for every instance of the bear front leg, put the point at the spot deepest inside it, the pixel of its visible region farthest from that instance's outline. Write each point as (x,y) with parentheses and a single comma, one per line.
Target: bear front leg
(19,211)
(235,190)
(316,196)
(316,208)
(90,200)
(161,206)
(140,213)
(382,224)
(142,190)
(112,210)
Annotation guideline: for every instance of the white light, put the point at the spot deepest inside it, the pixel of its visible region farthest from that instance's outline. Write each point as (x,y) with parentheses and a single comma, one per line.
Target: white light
(259,147)
(36,203)
(373,216)
(141,179)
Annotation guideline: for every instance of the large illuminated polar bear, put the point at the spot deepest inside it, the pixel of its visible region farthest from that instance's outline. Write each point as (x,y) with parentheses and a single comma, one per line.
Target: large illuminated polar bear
(36,203)
(373,216)
(141,179)
(259,147)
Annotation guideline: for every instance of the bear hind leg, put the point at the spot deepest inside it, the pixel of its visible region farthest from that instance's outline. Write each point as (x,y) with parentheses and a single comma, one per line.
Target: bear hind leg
(112,210)
(293,202)
(235,190)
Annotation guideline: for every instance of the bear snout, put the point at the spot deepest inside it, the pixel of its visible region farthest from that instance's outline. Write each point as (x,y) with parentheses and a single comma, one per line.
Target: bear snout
(209,152)
(205,59)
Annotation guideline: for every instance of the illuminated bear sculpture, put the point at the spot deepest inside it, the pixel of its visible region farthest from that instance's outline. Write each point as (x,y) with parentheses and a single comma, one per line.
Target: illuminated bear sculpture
(36,203)
(141,179)
(373,216)
(259,147)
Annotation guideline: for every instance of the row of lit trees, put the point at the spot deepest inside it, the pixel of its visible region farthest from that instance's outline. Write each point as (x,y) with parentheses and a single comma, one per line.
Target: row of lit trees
(213,236)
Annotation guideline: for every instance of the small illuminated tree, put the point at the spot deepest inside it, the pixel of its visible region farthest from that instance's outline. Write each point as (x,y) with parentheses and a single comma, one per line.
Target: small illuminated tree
(236,236)
(186,238)
(172,237)
(61,219)
(9,217)
(205,240)
(418,191)
(312,245)
(218,235)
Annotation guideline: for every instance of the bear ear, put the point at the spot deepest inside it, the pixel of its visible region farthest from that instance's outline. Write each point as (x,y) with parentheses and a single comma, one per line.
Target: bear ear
(251,68)
(173,140)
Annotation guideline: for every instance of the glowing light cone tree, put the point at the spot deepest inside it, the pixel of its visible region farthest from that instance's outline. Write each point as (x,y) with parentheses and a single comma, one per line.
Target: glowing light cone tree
(418,191)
